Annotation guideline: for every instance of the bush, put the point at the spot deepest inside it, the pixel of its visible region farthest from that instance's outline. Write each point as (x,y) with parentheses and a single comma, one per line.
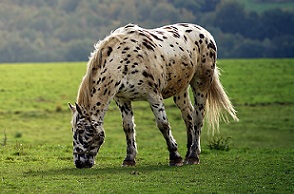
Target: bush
(219,143)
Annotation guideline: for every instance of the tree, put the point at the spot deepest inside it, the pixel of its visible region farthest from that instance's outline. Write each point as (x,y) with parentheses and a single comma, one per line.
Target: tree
(70,5)
(230,17)
(66,29)
(192,5)
(164,12)
(277,23)
(209,5)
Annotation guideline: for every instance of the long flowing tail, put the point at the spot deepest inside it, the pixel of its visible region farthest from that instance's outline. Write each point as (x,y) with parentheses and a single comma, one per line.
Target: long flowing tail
(218,104)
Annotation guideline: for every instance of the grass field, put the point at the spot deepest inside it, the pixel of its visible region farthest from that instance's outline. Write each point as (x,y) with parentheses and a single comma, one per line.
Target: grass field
(35,136)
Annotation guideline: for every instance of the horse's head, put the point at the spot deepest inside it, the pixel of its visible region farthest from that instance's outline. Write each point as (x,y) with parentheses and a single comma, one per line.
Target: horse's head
(88,136)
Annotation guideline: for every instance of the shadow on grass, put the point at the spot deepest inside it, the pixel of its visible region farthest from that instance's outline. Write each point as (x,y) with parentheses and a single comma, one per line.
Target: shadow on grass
(102,170)
(105,167)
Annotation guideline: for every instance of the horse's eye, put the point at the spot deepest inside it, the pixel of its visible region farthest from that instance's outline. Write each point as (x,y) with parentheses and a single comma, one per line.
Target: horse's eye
(81,131)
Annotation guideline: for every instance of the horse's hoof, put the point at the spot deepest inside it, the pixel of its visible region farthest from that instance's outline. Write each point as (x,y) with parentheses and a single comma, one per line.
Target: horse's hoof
(178,162)
(190,161)
(127,163)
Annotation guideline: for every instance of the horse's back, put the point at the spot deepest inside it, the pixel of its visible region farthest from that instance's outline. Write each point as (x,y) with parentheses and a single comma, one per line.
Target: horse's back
(155,61)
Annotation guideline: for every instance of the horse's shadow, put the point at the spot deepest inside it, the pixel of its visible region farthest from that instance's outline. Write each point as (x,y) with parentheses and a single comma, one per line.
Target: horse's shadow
(100,170)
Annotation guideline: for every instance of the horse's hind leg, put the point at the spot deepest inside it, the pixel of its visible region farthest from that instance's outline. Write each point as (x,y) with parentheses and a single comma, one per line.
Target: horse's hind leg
(183,102)
(158,110)
(200,86)
(129,129)
(199,113)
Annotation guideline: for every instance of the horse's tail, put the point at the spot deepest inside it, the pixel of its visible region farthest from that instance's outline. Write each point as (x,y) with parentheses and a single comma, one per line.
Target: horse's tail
(217,103)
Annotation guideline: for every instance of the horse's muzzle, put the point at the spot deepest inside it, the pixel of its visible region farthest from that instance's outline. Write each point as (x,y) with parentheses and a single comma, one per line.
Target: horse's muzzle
(87,164)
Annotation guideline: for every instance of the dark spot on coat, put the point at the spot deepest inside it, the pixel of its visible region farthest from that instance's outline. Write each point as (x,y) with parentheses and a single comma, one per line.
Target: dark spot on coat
(109,51)
(212,55)
(148,46)
(117,83)
(129,26)
(125,70)
(156,37)
(211,45)
(145,74)
(121,87)
(133,40)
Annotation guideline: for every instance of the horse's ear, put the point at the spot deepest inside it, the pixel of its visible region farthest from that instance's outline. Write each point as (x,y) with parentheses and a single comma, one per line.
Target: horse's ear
(79,109)
(72,108)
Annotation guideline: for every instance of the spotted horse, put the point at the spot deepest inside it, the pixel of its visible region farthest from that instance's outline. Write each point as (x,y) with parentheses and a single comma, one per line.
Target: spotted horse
(134,63)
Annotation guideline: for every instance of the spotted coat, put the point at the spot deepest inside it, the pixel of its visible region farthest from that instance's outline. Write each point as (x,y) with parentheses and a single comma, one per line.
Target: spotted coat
(134,63)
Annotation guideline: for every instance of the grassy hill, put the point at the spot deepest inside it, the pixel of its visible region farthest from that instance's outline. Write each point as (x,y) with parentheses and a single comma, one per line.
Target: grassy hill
(36,142)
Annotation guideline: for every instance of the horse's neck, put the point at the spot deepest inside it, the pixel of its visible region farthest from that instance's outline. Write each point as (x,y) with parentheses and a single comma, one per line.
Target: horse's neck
(97,110)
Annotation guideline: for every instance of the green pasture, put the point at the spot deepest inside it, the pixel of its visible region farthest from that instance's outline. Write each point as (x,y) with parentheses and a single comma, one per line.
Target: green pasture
(36,142)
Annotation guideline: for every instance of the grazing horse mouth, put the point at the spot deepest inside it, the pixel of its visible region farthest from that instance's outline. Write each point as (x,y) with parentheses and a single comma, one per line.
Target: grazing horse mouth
(86,164)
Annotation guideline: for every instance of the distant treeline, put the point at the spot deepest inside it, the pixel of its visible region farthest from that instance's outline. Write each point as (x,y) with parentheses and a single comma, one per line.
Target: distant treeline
(66,30)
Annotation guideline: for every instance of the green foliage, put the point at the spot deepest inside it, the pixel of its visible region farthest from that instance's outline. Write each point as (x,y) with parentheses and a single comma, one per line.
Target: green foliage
(4,141)
(66,30)
(247,34)
(261,6)
(260,159)
(219,143)
(18,135)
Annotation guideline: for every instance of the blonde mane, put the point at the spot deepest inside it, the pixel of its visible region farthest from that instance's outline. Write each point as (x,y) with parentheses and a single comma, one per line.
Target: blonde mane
(94,66)
(83,97)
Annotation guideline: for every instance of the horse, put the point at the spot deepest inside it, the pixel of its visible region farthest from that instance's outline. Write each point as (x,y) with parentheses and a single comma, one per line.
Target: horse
(137,64)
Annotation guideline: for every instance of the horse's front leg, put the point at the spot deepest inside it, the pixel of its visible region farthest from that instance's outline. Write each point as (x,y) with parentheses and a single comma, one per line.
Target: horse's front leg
(163,125)
(129,129)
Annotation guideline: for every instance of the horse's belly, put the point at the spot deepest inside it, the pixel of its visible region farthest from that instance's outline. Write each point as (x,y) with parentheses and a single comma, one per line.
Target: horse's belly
(178,78)
(174,87)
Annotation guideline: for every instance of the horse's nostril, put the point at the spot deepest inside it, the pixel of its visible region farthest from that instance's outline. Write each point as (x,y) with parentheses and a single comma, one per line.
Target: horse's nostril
(89,165)
(79,164)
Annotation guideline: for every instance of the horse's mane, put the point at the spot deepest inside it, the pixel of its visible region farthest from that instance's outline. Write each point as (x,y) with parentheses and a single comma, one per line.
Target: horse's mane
(83,97)
(94,66)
